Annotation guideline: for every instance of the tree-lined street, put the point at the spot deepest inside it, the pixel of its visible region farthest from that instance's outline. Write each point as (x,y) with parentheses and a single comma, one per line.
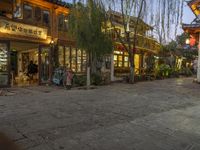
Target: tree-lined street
(159,115)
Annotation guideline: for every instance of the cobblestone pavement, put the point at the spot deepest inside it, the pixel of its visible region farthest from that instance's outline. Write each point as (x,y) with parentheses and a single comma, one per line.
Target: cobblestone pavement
(158,115)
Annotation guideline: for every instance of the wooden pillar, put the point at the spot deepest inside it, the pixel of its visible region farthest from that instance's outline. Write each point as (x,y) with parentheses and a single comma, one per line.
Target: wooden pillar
(112,67)
(198,67)
(9,63)
(39,65)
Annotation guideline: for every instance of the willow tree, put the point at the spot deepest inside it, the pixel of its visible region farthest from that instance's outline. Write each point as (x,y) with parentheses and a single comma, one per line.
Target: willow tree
(164,15)
(85,26)
(127,8)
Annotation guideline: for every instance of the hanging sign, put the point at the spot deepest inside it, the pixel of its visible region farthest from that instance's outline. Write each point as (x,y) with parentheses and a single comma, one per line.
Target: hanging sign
(20,29)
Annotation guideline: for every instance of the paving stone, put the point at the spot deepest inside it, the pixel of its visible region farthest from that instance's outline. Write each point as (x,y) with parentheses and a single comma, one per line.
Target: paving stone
(159,115)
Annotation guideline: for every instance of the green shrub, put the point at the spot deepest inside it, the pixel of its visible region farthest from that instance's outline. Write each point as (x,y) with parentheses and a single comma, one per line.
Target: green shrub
(96,79)
(186,71)
(79,80)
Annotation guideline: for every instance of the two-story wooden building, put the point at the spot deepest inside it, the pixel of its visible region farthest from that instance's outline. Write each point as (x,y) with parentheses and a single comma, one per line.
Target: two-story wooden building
(194,29)
(35,30)
(146,45)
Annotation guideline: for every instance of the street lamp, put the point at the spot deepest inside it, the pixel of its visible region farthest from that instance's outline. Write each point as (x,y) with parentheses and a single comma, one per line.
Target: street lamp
(52,42)
(187,41)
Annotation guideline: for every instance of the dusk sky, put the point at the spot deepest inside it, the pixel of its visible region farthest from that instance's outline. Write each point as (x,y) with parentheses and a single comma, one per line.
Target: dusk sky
(188,15)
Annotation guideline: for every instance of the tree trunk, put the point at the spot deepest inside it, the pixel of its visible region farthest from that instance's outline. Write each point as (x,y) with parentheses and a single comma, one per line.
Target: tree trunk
(88,70)
(132,68)
(131,59)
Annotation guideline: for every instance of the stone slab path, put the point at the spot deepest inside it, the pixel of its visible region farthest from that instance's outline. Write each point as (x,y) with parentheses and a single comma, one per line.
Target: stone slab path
(158,115)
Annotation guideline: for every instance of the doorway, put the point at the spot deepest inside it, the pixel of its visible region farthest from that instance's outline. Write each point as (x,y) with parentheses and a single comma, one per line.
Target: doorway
(21,54)
(45,65)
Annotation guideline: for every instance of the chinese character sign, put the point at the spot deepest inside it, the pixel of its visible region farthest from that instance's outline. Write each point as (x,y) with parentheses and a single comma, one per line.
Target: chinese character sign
(15,28)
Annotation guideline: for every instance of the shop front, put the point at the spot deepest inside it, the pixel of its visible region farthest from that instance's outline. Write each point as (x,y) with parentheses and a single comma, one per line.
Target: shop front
(20,45)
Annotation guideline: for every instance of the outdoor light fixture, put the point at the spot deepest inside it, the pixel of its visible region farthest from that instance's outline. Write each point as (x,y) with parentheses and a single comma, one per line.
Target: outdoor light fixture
(52,42)
(187,41)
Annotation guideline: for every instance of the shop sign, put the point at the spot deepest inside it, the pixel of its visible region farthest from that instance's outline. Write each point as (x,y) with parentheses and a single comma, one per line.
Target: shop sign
(20,29)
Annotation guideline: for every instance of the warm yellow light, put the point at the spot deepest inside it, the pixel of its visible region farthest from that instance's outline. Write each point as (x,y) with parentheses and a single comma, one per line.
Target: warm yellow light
(187,41)
(52,42)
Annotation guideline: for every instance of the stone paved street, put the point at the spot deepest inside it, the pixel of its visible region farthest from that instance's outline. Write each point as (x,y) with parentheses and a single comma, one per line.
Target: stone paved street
(158,115)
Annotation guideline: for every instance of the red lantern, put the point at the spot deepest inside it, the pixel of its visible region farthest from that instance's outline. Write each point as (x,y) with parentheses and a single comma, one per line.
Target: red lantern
(134,51)
(192,41)
(120,47)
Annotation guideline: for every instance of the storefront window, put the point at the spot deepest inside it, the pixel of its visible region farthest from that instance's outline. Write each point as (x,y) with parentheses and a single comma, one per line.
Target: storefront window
(38,13)
(84,61)
(28,12)
(126,61)
(120,61)
(3,64)
(17,9)
(115,61)
(67,56)
(46,20)
(79,60)
(73,59)
(137,63)
(60,22)
(61,55)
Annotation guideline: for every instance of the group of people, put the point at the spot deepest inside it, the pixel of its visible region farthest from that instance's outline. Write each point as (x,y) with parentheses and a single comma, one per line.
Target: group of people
(67,74)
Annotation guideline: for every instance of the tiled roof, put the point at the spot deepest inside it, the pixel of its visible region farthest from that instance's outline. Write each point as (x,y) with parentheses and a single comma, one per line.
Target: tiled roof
(60,3)
(191,25)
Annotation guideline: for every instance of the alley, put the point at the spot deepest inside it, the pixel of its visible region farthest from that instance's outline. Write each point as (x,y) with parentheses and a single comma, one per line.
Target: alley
(158,115)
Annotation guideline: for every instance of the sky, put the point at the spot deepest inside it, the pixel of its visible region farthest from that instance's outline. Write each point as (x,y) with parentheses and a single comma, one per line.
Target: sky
(188,15)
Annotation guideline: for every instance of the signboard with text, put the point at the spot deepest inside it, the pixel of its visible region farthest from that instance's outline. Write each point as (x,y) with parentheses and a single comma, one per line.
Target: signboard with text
(15,28)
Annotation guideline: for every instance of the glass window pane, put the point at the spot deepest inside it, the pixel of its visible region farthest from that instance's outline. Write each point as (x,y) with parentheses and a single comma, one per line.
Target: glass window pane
(60,22)
(115,63)
(120,58)
(17,9)
(120,64)
(84,59)
(137,62)
(125,64)
(79,54)
(115,57)
(46,20)
(3,64)
(126,58)
(27,12)
(78,67)
(67,56)
(61,56)
(38,14)
(73,58)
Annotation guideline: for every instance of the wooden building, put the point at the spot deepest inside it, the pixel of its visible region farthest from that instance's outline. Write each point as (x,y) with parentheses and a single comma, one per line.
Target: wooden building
(194,29)
(35,30)
(146,46)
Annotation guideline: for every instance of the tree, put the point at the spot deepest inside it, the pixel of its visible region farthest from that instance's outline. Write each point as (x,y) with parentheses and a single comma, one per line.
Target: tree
(128,41)
(85,25)
(163,15)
